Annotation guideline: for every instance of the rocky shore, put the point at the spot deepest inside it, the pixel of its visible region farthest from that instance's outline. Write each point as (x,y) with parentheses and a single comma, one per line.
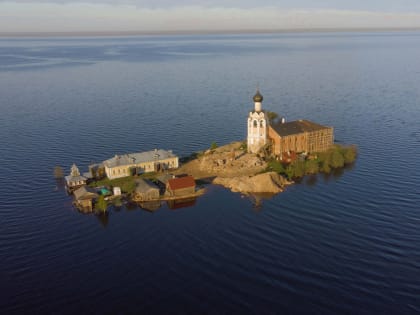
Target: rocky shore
(232,167)
(271,182)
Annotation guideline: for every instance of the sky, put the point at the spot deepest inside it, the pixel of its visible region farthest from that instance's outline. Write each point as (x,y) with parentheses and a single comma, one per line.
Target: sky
(203,15)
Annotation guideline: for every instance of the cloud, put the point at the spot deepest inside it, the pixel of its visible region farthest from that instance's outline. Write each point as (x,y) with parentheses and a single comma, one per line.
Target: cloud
(77,17)
(354,5)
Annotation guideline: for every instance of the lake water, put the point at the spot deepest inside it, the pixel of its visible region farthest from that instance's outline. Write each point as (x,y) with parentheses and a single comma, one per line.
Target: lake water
(348,243)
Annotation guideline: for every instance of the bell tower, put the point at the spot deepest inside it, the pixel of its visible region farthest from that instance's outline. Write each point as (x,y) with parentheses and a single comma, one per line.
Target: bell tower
(257,125)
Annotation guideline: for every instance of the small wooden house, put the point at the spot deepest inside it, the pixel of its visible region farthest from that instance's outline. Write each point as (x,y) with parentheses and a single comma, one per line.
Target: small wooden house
(75,180)
(145,191)
(181,186)
(84,197)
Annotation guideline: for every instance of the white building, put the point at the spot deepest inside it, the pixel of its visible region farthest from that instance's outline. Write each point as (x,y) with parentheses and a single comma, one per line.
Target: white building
(117,191)
(257,125)
(75,180)
(138,163)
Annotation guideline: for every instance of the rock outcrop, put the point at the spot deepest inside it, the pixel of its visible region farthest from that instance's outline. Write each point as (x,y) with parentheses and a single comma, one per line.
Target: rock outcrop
(226,161)
(262,183)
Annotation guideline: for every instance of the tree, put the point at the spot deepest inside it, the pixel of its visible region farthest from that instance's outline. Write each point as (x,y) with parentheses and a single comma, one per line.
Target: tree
(337,159)
(101,204)
(272,116)
(58,172)
(276,166)
(311,167)
(290,171)
(299,168)
(325,168)
(350,155)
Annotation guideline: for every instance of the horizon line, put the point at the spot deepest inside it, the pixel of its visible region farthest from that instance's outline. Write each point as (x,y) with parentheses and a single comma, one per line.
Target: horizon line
(204,32)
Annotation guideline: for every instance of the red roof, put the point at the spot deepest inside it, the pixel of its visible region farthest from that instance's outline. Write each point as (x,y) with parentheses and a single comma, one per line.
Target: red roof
(181,182)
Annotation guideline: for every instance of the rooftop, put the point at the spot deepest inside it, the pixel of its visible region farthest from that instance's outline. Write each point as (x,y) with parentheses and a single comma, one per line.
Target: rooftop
(85,192)
(135,158)
(181,182)
(296,127)
(143,186)
(71,178)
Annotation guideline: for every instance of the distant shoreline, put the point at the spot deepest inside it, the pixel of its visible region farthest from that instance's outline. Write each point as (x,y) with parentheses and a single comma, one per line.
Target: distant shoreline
(199,32)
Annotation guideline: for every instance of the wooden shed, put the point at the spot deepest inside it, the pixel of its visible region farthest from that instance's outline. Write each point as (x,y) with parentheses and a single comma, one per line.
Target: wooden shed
(181,186)
(84,197)
(145,191)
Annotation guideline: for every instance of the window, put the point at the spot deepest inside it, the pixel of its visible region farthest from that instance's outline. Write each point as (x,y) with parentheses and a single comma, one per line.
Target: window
(255,123)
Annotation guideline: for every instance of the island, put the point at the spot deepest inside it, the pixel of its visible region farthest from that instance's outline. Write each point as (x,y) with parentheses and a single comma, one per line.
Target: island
(274,154)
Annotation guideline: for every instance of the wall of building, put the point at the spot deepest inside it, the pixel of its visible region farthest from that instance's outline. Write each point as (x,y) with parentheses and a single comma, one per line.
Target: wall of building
(124,170)
(315,141)
(257,131)
(321,140)
(294,143)
(275,140)
(152,194)
(182,192)
(85,205)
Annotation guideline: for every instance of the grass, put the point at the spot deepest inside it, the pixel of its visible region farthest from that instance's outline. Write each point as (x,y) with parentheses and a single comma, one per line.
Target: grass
(127,184)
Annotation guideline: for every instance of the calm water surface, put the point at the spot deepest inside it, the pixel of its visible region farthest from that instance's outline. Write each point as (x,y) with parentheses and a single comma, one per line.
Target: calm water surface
(348,243)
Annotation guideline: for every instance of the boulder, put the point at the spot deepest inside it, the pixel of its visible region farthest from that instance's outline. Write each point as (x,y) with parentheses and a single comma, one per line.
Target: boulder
(262,183)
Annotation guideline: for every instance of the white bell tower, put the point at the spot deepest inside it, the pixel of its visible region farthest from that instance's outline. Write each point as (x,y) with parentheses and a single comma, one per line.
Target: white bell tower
(257,125)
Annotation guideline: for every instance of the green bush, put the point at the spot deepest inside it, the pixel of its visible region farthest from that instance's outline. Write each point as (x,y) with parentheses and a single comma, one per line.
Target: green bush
(101,204)
(299,168)
(350,154)
(276,166)
(311,167)
(290,171)
(213,146)
(127,184)
(325,168)
(337,159)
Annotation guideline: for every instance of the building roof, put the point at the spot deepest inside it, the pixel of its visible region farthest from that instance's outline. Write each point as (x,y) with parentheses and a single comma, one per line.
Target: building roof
(70,178)
(144,186)
(85,192)
(136,158)
(296,127)
(181,182)
(164,178)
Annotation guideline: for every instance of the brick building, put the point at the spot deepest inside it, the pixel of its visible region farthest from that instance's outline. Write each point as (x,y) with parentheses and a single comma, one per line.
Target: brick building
(285,137)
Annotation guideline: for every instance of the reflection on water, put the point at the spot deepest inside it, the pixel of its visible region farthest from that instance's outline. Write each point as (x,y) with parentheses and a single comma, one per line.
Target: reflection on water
(103,218)
(258,199)
(150,205)
(181,203)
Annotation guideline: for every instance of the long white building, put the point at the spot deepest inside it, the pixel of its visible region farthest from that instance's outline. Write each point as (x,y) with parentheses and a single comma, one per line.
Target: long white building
(138,163)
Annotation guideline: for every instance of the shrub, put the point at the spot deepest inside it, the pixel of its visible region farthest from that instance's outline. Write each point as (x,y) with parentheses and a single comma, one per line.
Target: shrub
(290,171)
(213,146)
(337,159)
(311,167)
(276,166)
(350,154)
(325,167)
(299,168)
(101,204)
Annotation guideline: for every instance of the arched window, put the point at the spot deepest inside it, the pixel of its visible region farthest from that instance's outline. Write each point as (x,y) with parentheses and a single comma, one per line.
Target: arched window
(261,123)
(255,123)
